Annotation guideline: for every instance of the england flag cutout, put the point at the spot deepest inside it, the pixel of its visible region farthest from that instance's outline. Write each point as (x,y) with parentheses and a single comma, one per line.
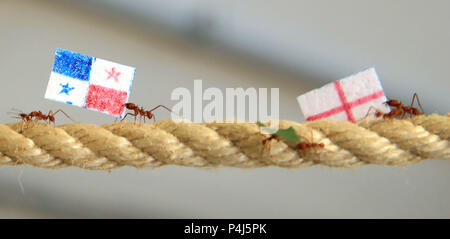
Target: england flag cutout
(349,99)
(90,82)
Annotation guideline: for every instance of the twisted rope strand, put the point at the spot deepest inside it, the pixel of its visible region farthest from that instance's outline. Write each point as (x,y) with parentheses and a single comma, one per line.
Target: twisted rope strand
(214,144)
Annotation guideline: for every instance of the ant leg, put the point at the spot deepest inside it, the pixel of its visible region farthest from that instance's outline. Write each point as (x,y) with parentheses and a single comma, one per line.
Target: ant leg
(50,112)
(267,143)
(61,112)
(418,101)
(135,116)
(126,116)
(414,98)
(403,114)
(263,146)
(35,118)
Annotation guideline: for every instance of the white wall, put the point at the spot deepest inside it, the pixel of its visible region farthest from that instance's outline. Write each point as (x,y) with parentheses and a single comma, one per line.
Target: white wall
(31,30)
(408,41)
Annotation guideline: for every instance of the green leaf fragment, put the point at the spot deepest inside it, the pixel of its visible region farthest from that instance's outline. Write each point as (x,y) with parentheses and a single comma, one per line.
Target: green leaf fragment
(288,134)
(260,124)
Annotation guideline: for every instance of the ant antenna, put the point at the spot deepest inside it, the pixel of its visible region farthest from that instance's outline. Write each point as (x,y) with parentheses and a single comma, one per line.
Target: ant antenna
(15,115)
(154,118)
(17,110)
(371,108)
(160,106)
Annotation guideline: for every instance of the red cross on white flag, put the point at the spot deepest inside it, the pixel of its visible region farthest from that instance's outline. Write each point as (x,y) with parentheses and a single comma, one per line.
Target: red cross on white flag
(348,99)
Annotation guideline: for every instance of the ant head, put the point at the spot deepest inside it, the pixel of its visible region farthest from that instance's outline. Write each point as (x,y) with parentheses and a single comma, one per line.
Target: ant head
(149,114)
(302,145)
(25,117)
(378,114)
(130,105)
(51,118)
(396,103)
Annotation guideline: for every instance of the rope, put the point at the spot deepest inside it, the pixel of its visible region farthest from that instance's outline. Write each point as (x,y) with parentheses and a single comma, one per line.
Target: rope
(386,142)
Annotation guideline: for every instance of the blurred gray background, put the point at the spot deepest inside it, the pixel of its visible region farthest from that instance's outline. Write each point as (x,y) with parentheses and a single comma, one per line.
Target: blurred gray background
(293,45)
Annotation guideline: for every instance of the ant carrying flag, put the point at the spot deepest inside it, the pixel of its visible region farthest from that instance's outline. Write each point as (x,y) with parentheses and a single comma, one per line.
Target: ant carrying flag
(90,82)
(350,99)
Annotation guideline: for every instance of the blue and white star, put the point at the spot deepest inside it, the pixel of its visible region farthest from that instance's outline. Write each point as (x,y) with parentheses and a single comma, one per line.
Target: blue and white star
(65,89)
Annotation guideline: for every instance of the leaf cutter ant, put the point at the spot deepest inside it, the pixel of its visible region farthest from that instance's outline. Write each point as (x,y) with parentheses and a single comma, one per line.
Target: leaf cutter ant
(141,112)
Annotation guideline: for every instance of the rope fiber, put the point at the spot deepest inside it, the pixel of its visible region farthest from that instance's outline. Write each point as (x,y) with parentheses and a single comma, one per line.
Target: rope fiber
(215,144)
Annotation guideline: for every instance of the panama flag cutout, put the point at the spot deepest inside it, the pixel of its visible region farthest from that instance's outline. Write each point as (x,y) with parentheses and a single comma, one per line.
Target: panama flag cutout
(350,99)
(90,82)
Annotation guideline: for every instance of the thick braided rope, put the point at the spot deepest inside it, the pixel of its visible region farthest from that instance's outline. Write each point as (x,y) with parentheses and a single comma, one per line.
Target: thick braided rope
(387,142)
